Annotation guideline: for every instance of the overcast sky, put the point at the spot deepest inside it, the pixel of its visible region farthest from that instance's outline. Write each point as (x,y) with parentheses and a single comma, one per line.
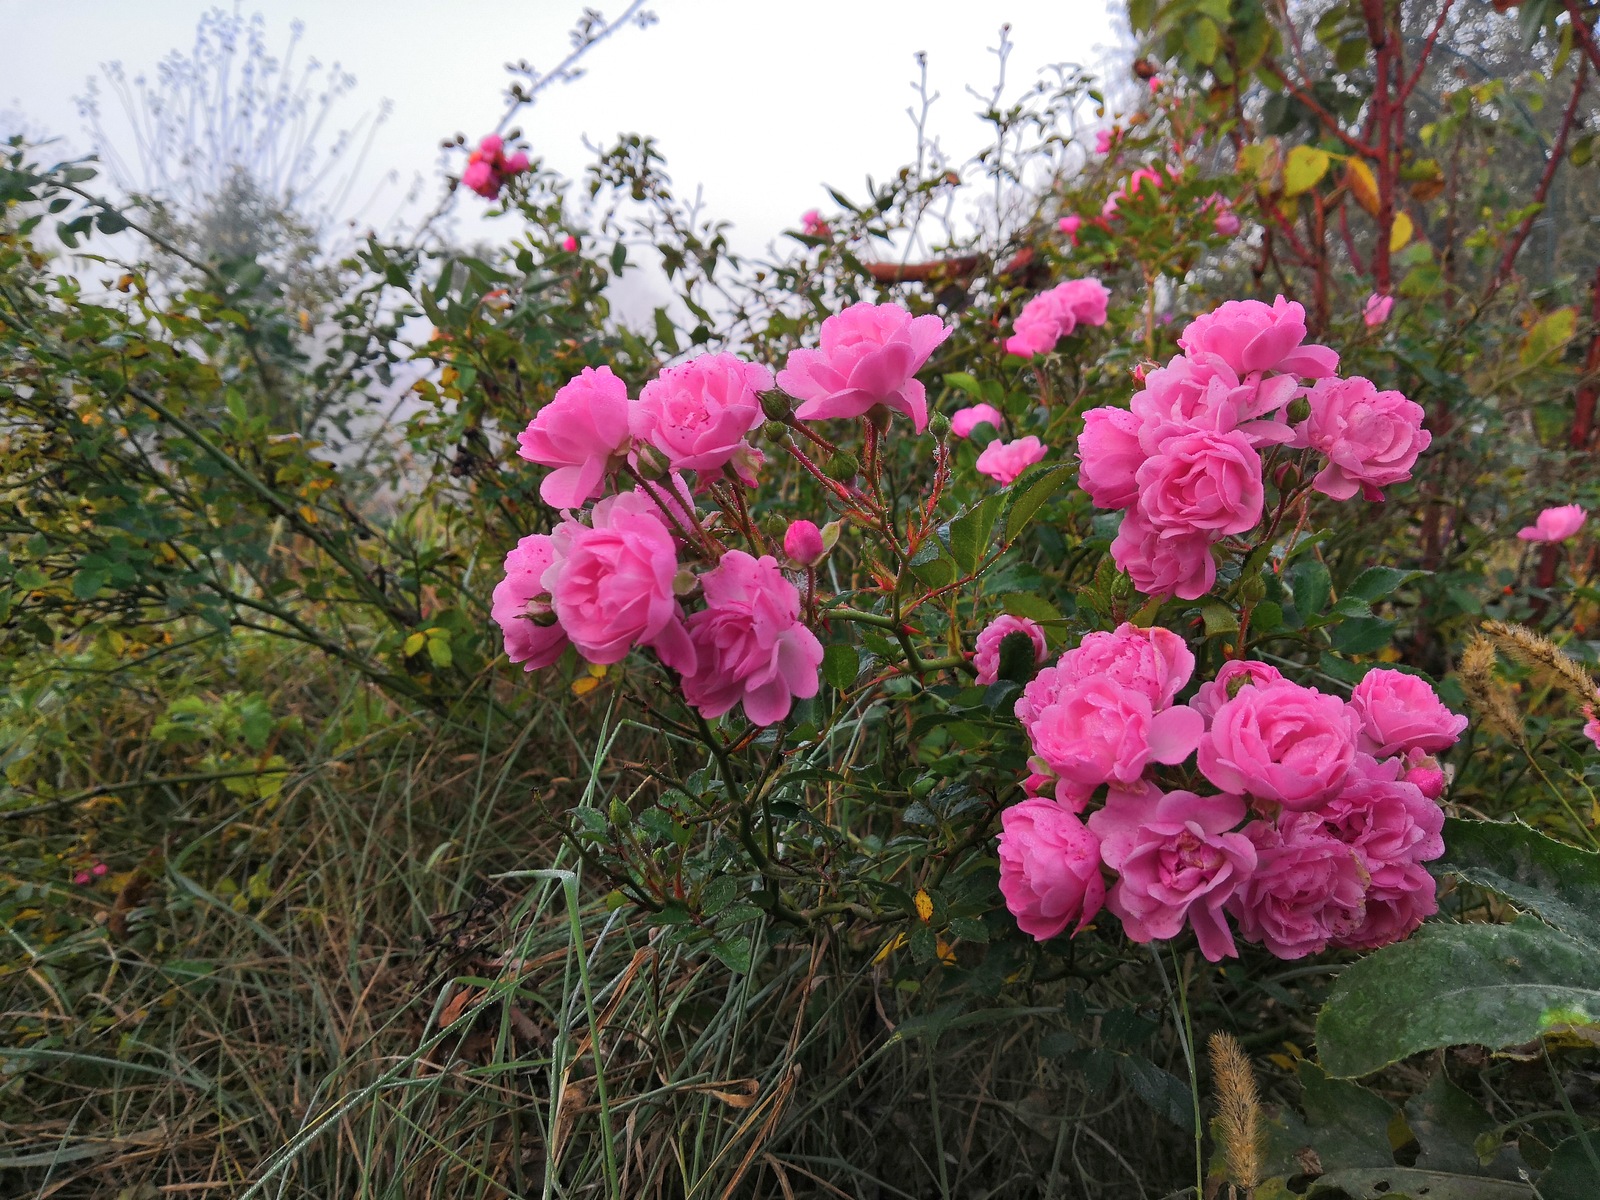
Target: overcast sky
(760,102)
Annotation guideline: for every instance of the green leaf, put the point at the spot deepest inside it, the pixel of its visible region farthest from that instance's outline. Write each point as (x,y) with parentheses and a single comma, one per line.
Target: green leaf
(1202,39)
(1034,497)
(1572,1173)
(1447,1124)
(734,953)
(439,650)
(1375,583)
(666,332)
(961,381)
(1026,604)
(1141,13)
(1311,587)
(89,580)
(1303,169)
(1549,335)
(1398,1183)
(1454,985)
(840,665)
(1362,635)
(1219,619)
(1349,1124)
(971,531)
(1555,881)
(1166,1094)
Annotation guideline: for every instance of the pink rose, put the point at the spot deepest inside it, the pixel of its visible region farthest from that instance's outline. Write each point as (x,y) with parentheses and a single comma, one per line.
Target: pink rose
(1154,661)
(1004,461)
(1554,524)
(963,421)
(521,605)
(1102,142)
(812,224)
(1282,743)
(1394,911)
(1164,562)
(1591,725)
(1185,396)
(1231,676)
(1101,731)
(490,146)
(480,177)
(698,413)
(1377,310)
(1049,868)
(802,543)
(1052,315)
(516,163)
(1388,821)
(749,642)
(986,657)
(1401,712)
(1227,223)
(1177,862)
(1371,438)
(1424,773)
(1251,336)
(569,243)
(1108,456)
(1308,888)
(869,355)
(1069,225)
(611,583)
(1202,482)
(583,433)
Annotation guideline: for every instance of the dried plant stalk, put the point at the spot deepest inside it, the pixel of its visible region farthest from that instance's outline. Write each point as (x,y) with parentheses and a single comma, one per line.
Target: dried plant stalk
(1239,1126)
(1488,695)
(1527,647)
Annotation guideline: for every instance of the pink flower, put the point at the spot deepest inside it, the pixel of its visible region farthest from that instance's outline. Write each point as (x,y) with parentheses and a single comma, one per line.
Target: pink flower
(1051,316)
(1154,661)
(583,433)
(802,543)
(1164,562)
(99,870)
(1371,438)
(812,224)
(1101,731)
(1155,85)
(1049,868)
(698,413)
(1102,142)
(1281,743)
(1554,524)
(869,355)
(1400,712)
(1004,461)
(964,420)
(1251,336)
(1177,862)
(1109,454)
(1377,310)
(1230,678)
(490,146)
(569,243)
(611,584)
(1187,395)
(750,644)
(1308,888)
(1202,482)
(516,163)
(1069,225)
(1424,773)
(1394,828)
(1591,725)
(82,878)
(1394,911)
(480,177)
(986,657)
(522,605)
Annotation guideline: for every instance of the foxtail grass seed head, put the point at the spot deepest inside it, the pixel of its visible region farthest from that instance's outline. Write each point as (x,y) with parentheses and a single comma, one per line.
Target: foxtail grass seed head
(1239,1127)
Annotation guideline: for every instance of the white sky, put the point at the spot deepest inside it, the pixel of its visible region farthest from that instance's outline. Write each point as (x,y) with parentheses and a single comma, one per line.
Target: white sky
(759,102)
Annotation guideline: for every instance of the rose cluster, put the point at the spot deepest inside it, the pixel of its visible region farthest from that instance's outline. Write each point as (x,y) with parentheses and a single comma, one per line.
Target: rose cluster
(489,166)
(1185,458)
(623,574)
(1324,813)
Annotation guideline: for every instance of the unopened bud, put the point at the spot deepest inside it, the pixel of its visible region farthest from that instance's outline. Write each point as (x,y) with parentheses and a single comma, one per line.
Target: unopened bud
(939,426)
(1299,411)
(776,406)
(1253,589)
(803,544)
(650,462)
(1287,477)
(774,526)
(775,431)
(842,466)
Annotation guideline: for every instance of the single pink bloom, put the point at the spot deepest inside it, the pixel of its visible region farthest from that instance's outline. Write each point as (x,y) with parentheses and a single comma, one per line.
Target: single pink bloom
(516,163)
(1202,482)
(812,224)
(964,420)
(1230,678)
(1281,743)
(1108,210)
(1155,85)
(1401,712)
(1101,731)
(1177,863)
(698,413)
(1591,725)
(1394,911)
(611,584)
(1424,773)
(1142,176)
(1251,336)
(482,178)
(1049,868)
(1069,225)
(1154,661)
(1052,315)
(491,146)
(569,243)
(1227,223)
(1004,461)
(521,605)
(1554,524)
(99,869)
(1188,395)
(1102,142)
(1308,888)
(1164,562)
(1377,310)
(750,645)
(82,878)
(582,433)
(1370,438)
(869,356)
(986,656)
(1109,455)
(802,543)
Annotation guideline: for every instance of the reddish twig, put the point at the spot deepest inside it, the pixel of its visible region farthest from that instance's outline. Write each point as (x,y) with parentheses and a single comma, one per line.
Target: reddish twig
(1427,50)
(1558,151)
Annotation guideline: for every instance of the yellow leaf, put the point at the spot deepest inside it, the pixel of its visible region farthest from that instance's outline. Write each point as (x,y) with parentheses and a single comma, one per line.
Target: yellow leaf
(947,954)
(413,644)
(1548,335)
(889,947)
(1400,232)
(598,670)
(924,904)
(582,687)
(1303,169)
(1361,184)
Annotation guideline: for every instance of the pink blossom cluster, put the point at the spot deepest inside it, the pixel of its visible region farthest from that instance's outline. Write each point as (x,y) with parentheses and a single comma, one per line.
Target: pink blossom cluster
(1185,458)
(1052,315)
(489,166)
(1324,814)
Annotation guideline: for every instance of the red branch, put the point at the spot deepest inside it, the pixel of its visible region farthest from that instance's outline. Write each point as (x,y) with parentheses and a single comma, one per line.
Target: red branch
(1427,50)
(1584,34)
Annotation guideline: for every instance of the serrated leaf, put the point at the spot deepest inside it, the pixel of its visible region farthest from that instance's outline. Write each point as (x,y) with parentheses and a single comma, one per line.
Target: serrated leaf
(1557,882)
(1034,497)
(971,531)
(1454,985)
(961,381)
(840,665)
(1303,169)
(666,332)
(1310,585)
(1166,1095)
(1548,335)
(1396,1183)
(1219,619)
(1026,604)
(1375,583)
(1347,1122)
(1571,1173)
(1362,635)
(734,953)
